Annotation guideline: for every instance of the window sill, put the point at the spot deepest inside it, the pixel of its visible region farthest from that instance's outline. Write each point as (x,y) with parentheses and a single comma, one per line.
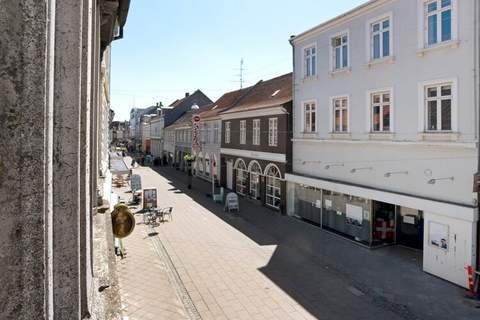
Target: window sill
(309,134)
(443,45)
(309,78)
(438,136)
(381,135)
(376,62)
(346,70)
(340,135)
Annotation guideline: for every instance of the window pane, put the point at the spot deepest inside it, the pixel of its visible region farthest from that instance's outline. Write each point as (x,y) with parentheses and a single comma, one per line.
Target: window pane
(446,3)
(376,98)
(386,118)
(447,25)
(345,56)
(313,121)
(337,103)
(376,27)
(308,67)
(446,90)
(376,46)
(432,29)
(376,118)
(446,114)
(345,120)
(344,103)
(432,6)
(337,120)
(314,65)
(386,24)
(432,92)
(337,58)
(386,44)
(307,121)
(386,97)
(344,39)
(432,115)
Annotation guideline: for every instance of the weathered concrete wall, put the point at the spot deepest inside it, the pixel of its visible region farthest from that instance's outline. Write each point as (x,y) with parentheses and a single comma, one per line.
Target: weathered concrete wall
(23,169)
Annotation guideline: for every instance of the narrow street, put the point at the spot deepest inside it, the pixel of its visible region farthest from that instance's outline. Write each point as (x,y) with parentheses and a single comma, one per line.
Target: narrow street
(232,269)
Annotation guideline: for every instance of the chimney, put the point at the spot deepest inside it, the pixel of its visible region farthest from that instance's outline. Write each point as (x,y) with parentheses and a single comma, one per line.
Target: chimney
(187,94)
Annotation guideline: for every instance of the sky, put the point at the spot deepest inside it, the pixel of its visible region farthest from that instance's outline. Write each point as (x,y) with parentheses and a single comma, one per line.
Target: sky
(171,47)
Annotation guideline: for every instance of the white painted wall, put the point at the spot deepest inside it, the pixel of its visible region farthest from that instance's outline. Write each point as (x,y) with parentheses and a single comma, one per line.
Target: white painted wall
(456,159)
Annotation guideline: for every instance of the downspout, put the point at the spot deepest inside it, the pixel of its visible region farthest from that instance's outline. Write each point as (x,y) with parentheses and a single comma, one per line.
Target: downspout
(290,135)
(476,92)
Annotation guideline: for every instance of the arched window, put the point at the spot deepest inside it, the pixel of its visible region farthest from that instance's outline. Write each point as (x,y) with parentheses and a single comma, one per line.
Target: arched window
(241,182)
(255,173)
(273,186)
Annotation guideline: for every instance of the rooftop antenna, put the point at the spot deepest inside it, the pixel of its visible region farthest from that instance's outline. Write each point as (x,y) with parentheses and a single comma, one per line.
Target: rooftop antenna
(241,74)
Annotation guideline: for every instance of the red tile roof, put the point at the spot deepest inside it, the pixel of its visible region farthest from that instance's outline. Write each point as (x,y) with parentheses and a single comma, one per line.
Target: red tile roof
(266,94)
(226,101)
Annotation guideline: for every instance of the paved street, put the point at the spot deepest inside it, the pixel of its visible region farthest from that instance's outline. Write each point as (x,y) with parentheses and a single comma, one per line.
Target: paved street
(260,265)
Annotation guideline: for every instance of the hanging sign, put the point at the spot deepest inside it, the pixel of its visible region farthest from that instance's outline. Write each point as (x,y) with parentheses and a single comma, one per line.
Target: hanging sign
(123,221)
(196,133)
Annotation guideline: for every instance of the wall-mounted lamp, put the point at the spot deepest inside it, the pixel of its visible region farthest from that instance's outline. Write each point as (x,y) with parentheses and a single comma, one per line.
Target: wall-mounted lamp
(310,161)
(328,166)
(389,174)
(433,181)
(360,169)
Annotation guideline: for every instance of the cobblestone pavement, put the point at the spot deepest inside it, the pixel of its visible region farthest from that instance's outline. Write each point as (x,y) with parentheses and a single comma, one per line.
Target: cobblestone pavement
(232,269)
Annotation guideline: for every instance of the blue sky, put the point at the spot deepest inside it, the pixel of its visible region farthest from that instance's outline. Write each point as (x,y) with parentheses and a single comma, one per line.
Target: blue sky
(176,46)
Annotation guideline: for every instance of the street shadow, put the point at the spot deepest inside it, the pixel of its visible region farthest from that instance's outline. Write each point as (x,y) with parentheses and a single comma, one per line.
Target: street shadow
(334,278)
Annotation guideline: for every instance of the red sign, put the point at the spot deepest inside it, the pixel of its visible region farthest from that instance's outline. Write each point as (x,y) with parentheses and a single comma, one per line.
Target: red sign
(196,118)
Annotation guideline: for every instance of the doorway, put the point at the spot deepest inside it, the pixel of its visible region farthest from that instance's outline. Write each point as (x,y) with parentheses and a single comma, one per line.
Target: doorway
(383,231)
(410,228)
(229,175)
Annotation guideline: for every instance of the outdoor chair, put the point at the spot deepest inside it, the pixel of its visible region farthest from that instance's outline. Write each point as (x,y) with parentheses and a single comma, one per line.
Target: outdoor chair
(167,212)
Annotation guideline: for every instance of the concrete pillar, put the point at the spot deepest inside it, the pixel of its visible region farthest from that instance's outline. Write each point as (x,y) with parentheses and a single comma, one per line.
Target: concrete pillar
(66,159)
(24,161)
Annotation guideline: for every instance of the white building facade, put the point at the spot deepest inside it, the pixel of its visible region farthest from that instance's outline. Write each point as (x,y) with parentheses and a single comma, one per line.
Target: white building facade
(156,135)
(385,128)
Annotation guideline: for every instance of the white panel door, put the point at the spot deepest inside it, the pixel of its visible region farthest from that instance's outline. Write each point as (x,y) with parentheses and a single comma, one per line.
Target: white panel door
(229,175)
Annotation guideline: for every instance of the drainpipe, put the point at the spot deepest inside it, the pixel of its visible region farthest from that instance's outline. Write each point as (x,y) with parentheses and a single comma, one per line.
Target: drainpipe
(477,93)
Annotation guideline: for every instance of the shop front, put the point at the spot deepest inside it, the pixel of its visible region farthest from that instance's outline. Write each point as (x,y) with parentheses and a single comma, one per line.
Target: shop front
(445,233)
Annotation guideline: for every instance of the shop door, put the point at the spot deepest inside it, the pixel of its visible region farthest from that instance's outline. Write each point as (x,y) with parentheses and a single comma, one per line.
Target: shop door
(410,228)
(229,175)
(383,223)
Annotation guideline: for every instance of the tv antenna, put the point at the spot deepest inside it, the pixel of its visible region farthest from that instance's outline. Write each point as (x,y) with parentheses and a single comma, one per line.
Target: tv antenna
(240,75)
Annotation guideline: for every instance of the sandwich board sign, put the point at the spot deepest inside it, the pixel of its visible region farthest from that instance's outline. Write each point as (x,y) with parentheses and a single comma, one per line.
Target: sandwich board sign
(136,182)
(149,198)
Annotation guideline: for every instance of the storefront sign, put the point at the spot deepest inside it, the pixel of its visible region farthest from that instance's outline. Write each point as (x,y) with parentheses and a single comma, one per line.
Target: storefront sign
(149,198)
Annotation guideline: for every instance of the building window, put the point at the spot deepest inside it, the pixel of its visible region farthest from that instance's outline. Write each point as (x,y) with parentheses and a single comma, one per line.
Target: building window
(310,111)
(380,106)
(242,175)
(438,21)
(227,132)
(256,132)
(380,39)
(255,173)
(273,132)
(243,131)
(340,114)
(310,61)
(438,106)
(273,186)
(340,52)
(207,133)
(215,133)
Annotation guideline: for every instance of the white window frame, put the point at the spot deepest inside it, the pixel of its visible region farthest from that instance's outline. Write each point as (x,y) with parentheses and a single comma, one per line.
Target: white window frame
(332,114)
(369,104)
(369,39)
(243,131)
(228,125)
(273,132)
(256,132)
(422,104)
(313,66)
(270,183)
(215,132)
(304,118)
(332,55)
(423,25)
